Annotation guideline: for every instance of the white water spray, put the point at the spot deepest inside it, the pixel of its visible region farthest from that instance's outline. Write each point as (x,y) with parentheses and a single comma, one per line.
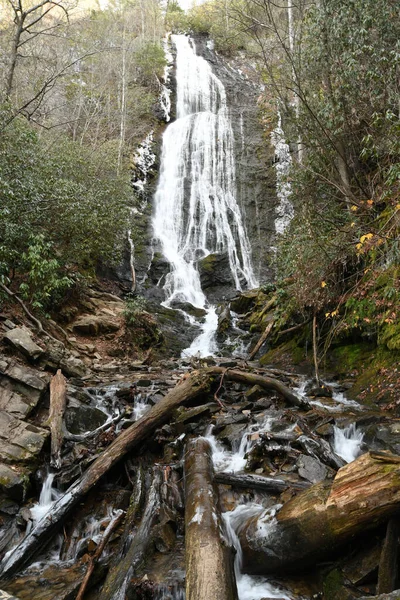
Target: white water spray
(196,213)
(249,587)
(347,442)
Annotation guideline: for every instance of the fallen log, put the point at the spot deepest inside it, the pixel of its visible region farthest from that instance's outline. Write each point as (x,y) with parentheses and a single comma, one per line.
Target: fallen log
(98,552)
(259,482)
(196,384)
(267,383)
(208,557)
(319,520)
(120,574)
(58,401)
(262,339)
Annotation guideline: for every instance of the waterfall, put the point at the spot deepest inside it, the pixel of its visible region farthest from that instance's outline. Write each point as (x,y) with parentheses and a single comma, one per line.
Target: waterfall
(196,213)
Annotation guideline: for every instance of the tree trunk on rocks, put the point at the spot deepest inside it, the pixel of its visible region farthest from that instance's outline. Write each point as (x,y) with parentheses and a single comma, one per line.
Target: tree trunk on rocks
(195,385)
(58,401)
(258,482)
(209,559)
(267,383)
(120,575)
(312,525)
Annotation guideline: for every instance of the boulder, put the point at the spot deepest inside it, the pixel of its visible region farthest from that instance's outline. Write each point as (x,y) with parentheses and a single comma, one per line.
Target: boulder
(79,420)
(19,441)
(13,484)
(21,339)
(20,388)
(95,325)
(244,301)
(311,469)
(73,366)
(55,352)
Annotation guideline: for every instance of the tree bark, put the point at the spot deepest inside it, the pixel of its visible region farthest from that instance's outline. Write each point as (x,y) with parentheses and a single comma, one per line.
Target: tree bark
(209,559)
(196,384)
(387,577)
(99,550)
(119,575)
(262,339)
(58,400)
(312,525)
(258,482)
(267,383)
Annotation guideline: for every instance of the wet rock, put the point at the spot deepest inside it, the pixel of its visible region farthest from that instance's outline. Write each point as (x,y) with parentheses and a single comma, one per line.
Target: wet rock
(388,436)
(232,434)
(83,419)
(244,302)
(19,441)
(188,308)
(318,391)
(224,323)
(14,484)
(229,419)
(164,537)
(255,393)
(94,325)
(21,339)
(215,270)
(191,414)
(311,469)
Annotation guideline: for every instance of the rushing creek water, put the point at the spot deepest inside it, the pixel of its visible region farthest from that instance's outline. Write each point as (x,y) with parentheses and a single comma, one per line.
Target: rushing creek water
(196,212)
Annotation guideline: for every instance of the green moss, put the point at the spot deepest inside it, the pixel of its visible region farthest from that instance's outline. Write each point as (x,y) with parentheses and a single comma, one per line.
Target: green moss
(390,336)
(333,585)
(288,353)
(208,263)
(345,359)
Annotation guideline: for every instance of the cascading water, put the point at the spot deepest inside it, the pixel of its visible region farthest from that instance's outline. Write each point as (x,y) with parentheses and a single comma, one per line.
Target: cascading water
(347,442)
(196,213)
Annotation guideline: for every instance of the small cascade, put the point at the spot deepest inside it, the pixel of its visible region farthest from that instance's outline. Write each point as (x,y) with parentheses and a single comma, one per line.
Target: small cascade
(196,213)
(249,587)
(347,442)
(47,498)
(234,461)
(284,209)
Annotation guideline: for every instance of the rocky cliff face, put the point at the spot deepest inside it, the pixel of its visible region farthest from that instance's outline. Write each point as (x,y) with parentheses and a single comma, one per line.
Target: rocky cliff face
(255,173)
(255,178)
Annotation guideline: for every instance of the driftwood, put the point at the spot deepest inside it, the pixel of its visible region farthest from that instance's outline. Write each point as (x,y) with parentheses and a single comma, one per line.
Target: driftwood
(387,577)
(209,559)
(267,383)
(262,340)
(98,552)
(258,482)
(310,526)
(58,401)
(196,384)
(121,573)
